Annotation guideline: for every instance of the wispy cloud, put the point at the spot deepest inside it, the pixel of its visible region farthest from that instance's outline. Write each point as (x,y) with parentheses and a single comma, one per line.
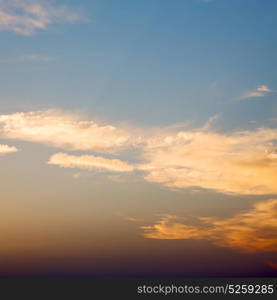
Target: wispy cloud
(89,162)
(62,130)
(26,17)
(272,264)
(260,91)
(250,231)
(5,149)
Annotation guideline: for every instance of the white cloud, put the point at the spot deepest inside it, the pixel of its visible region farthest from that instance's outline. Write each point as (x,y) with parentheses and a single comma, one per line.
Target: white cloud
(89,162)
(25,17)
(237,163)
(27,58)
(5,149)
(58,129)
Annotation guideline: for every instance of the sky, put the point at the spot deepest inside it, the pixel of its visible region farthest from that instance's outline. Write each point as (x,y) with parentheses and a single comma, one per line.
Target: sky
(138,138)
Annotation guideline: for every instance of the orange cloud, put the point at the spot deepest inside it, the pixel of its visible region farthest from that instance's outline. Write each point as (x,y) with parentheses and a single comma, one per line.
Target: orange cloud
(251,231)
(89,162)
(238,163)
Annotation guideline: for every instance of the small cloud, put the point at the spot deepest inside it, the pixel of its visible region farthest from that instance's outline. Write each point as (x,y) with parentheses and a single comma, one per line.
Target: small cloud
(89,162)
(26,17)
(5,149)
(237,163)
(261,91)
(264,88)
(210,122)
(241,162)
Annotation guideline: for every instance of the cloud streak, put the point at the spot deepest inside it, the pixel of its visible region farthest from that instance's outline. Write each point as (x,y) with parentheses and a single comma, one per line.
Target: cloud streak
(89,162)
(251,231)
(26,17)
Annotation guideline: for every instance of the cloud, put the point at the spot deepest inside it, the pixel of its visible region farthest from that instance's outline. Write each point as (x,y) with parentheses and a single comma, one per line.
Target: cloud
(5,149)
(27,58)
(35,58)
(264,89)
(250,94)
(238,163)
(26,17)
(207,1)
(272,264)
(261,91)
(127,218)
(58,129)
(242,162)
(251,231)
(89,162)
(210,122)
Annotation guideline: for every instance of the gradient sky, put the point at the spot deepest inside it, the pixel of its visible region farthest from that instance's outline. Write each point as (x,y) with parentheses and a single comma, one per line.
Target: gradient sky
(138,138)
